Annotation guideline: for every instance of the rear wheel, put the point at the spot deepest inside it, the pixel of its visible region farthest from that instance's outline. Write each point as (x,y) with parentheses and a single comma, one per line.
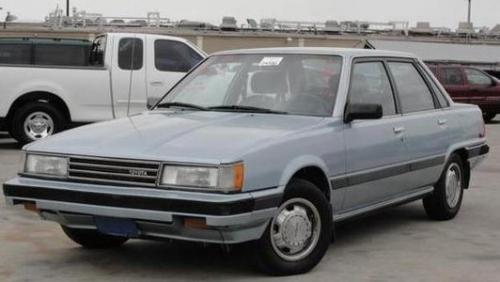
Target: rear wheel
(299,235)
(446,200)
(92,239)
(488,117)
(35,121)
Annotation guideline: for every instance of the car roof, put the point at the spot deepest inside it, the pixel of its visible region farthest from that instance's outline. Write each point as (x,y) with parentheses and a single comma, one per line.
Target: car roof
(345,52)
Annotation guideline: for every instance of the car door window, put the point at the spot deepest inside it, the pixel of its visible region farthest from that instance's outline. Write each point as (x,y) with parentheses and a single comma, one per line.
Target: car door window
(130,54)
(414,93)
(370,85)
(475,77)
(174,56)
(452,76)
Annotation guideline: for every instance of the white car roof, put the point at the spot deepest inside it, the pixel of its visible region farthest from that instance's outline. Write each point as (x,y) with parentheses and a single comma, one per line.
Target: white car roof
(345,52)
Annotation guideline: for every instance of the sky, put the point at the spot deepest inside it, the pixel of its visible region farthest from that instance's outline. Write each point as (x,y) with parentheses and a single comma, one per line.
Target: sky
(441,13)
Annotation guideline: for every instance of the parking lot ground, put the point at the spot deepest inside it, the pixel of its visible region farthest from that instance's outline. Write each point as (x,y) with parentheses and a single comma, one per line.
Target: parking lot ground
(397,244)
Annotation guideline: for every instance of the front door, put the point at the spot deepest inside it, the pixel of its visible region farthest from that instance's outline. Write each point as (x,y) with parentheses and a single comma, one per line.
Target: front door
(375,149)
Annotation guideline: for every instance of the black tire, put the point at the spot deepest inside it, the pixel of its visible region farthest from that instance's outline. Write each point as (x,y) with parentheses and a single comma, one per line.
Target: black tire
(17,125)
(266,258)
(488,117)
(92,239)
(436,205)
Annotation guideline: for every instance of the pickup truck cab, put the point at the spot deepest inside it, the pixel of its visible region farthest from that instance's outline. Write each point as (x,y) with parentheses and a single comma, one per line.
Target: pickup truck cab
(471,85)
(50,84)
(268,146)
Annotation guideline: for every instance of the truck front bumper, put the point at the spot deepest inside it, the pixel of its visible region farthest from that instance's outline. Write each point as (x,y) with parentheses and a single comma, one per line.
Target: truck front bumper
(158,213)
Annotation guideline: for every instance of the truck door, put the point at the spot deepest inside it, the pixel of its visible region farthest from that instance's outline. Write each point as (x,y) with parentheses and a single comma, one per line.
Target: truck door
(168,61)
(129,75)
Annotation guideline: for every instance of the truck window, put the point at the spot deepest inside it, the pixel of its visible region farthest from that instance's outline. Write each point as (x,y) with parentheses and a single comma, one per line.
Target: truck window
(130,54)
(475,77)
(452,76)
(413,92)
(15,54)
(370,84)
(174,56)
(60,55)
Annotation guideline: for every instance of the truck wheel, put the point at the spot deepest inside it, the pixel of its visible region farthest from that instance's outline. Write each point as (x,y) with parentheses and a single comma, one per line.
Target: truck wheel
(444,203)
(299,235)
(488,117)
(92,239)
(35,121)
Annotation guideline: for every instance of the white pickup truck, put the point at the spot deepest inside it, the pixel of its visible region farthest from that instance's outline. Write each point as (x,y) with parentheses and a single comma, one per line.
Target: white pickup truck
(49,85)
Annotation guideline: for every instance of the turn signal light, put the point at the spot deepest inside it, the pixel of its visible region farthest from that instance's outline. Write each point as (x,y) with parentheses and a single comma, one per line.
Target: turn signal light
(197,223)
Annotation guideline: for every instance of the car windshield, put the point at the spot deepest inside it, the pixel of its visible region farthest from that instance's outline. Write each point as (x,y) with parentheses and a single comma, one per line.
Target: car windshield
(266,83)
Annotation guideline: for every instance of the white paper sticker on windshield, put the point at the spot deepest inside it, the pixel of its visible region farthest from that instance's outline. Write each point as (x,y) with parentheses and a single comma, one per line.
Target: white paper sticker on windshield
(270,61)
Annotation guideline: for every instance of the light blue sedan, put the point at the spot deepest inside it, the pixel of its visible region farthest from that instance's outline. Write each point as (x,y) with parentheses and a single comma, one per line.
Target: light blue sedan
(272,146)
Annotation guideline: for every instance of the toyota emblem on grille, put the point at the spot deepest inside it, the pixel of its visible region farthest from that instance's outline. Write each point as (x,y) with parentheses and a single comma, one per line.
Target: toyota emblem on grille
(138,172)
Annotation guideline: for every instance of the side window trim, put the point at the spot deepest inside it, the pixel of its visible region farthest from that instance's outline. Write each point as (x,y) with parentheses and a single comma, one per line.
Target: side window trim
(381,60)
(415,65)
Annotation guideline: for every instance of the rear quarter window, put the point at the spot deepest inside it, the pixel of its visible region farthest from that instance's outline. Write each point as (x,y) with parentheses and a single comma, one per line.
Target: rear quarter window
(61,55)
(15,53)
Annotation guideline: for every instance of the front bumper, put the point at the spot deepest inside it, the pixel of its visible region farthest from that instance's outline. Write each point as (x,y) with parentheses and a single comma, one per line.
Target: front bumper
(158,213)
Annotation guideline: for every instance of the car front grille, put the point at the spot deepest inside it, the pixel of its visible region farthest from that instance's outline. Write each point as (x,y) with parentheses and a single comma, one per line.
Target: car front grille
(113,171)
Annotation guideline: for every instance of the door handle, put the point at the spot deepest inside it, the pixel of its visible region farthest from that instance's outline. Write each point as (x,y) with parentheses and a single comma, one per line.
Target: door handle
(399,130)
(156,83)
(442,121)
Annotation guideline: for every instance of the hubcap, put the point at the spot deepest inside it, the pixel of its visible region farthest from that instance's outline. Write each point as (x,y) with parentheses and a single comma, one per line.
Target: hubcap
(296,229)
(453,185)
(38,125)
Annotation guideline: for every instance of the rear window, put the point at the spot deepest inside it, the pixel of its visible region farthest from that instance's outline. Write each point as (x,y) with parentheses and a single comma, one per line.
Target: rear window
(174,56)
(61,55)
(15,53)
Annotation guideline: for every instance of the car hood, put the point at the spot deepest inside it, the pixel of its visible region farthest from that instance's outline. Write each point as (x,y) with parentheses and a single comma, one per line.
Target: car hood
(184,136)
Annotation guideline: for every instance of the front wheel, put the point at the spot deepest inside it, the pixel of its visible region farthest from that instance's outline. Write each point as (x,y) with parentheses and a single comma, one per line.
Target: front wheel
(299,235)
(92,239)
(446,200)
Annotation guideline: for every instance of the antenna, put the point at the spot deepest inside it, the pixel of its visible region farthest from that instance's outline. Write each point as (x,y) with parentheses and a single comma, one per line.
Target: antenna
(67,8)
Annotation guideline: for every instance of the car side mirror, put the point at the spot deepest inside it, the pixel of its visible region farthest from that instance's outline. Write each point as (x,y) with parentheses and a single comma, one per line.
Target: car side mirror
(362,111)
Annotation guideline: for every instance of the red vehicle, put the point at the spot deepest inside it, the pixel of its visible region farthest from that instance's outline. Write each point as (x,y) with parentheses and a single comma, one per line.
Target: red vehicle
(470,85)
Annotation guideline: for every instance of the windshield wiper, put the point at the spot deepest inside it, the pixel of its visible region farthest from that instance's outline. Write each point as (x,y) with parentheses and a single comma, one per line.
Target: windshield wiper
(240,108)
(181,105)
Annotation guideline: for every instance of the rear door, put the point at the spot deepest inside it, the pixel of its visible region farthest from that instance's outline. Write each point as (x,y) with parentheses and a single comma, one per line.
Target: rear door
(453,79)
(424,120)
(168,61)
(375,149)
(129,75)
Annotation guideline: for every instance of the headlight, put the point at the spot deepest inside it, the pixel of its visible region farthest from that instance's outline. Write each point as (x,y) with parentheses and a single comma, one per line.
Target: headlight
(46,165)
(224,178)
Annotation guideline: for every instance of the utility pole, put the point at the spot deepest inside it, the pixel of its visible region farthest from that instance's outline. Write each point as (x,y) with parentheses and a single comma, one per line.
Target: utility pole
(67,8)
(468,14)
